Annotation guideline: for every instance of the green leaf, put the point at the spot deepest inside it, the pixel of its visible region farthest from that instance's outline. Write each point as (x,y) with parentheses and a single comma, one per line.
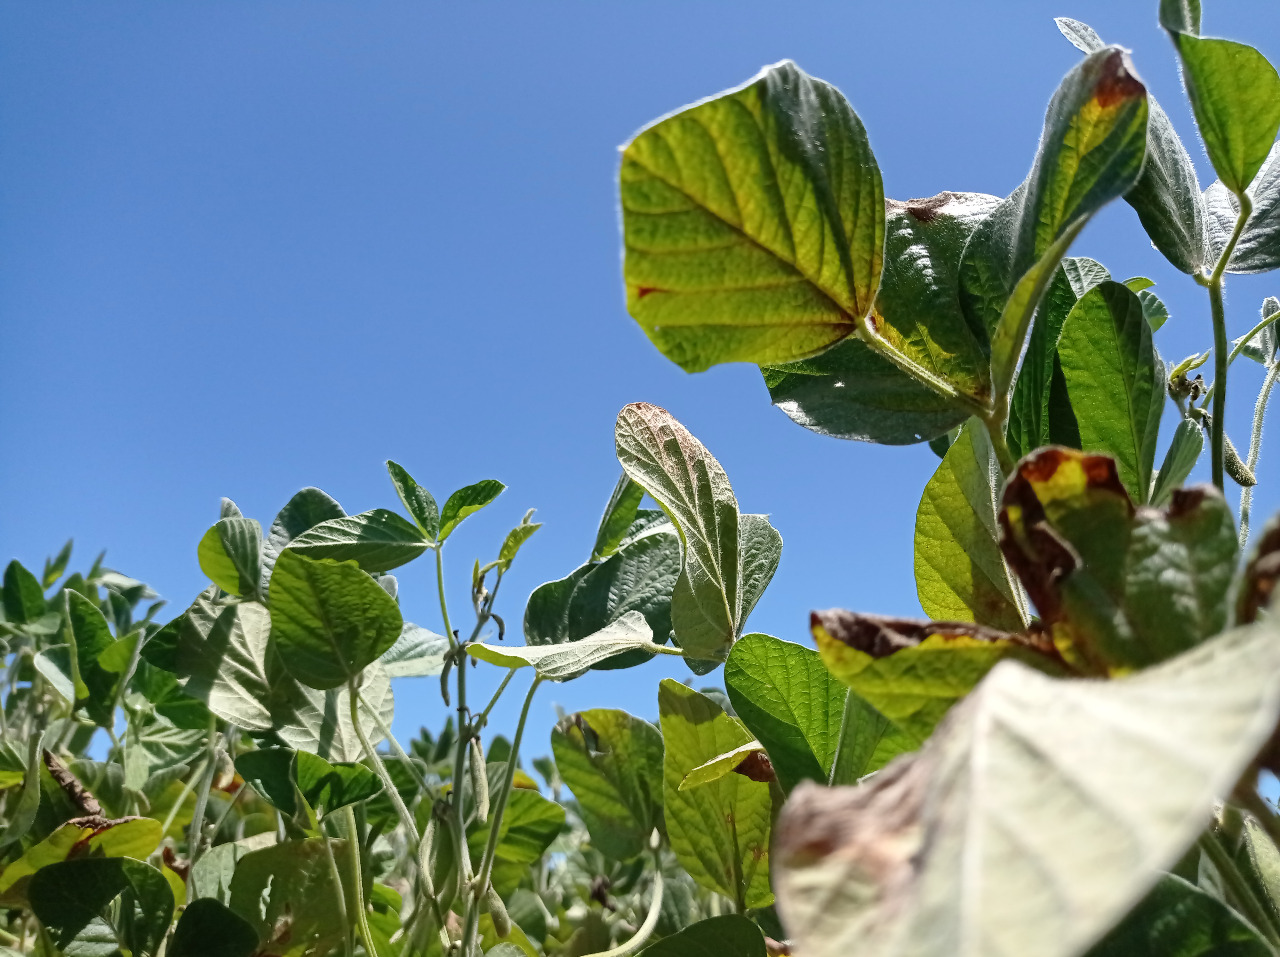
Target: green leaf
(528,827)
(1040,412)
(54,568)
(753,223)
(23,595)
(515,538)
(68,895)
(329,619)
(467,501)
(276,772)
(715,592)
(791,703)
(913,672)
(22,814)
(851,392)
(1091,151)
(960,572)
(87,632)
(727,936)
(307,509)
(1179,460)
(561,662)
(320,721)
(612,762)
(1235,95)
(1082,36)
(1182,16)
(721,765)
(417,653)
(1177,919)
(1258,249)
(761,546)
(720,831)
(619,513)
(639,577)
(291,897)
(231,555)
(1055,803)
(1116,588)
(208,928)
(1116,381)
(377,541)
(54,665)
(417,501)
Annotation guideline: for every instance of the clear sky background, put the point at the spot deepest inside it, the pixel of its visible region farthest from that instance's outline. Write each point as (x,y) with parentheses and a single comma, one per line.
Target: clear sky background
(249,247)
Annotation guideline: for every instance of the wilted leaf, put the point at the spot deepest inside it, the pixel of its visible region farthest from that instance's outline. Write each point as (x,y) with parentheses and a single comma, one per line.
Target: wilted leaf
(753,223)
(1054,804)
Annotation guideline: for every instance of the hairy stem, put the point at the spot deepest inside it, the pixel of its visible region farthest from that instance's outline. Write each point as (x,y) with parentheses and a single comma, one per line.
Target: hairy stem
(339,896)
(195,835)
(1255,448)
(481,883)
(357,880)
(1242,895)
(444,606)
(1220,356)
(379,768)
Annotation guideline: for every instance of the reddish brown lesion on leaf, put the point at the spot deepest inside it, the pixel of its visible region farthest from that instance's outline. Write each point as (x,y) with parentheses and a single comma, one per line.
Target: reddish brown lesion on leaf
(1117,82)
(756,766)
(881,636)
(1260,577)
(642,291)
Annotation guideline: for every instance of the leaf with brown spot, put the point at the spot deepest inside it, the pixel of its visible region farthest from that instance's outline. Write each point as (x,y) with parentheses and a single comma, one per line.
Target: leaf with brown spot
(1036,816)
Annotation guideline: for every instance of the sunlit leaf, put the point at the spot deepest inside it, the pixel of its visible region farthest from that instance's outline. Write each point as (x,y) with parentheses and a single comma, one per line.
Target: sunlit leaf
(417,501)
(231,555)
(1180,458)
(307,509)
(378,540)
(292,898)
(467,501)
(561,662)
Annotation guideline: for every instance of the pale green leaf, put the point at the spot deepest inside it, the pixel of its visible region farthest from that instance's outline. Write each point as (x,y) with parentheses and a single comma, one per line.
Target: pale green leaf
(560,662)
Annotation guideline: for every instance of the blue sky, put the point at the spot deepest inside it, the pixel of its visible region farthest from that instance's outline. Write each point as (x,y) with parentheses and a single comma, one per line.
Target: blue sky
(248,247)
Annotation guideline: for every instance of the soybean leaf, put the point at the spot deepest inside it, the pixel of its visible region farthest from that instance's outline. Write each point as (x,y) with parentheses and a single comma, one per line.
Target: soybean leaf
(208,928)
(720,831)
(378,540)
(1091,151)
(1116,588)
(1178,919)
(23,595)
(86,631)
(1166,196)
(1262,345)
(54,665)
(1235,95)
(307,509)
(753,223)
(1182,16)
(1040,412)
(612,762)
(528,827)
(515,538)
(851,392)
(467,501)
(917,314)
(276,772)
(25,807)
(726,936)
(722,764)
(417,501)
(560,662)
(1056,803)
(227,509)
(761,546)
(619,513)
(68,895)
(639,577)
(913,672)
(1179,460)
(417,653)
(291,897)
(329,619)
(53,568)
(1116,381)
(1258,249)
(960,572)
(134,837)
(320,721)
(802,715)
(231,555)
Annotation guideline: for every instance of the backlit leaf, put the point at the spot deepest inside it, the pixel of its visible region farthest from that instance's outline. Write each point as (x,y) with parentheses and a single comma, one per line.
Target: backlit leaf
(619,513)
(377,541)
(560,662)
(417,501)
(417,653)
(467,501)
(231,555)
(753,223)
(307,509)
(23,595)
(1181,457)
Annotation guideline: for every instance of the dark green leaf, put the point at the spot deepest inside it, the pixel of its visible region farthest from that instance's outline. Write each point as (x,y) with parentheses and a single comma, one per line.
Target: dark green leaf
(1181,16)
(417,501)
(377,541)
(851,392)
(307,509)
(1179,460)
(1235,94)
(87,632)
(528,827)
(329,619)
(612,762)
(275,772)
(1091,151)
(727,936)
(723,265)
(231,555)
(67,895)
(290,896)
(208,928)
(1116,381)
(467,501)
(23,595)
(619,513)
(23,812)
(54,568)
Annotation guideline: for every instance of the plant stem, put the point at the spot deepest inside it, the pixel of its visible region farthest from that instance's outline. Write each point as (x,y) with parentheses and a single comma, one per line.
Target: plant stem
(341,898)
(1244,340)
(1245,900)
(997,422)
(481,883)
(641,936)
(1255,447)
(195,836)
(357,880)
(1220,356)
(484,715)
(444,606)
